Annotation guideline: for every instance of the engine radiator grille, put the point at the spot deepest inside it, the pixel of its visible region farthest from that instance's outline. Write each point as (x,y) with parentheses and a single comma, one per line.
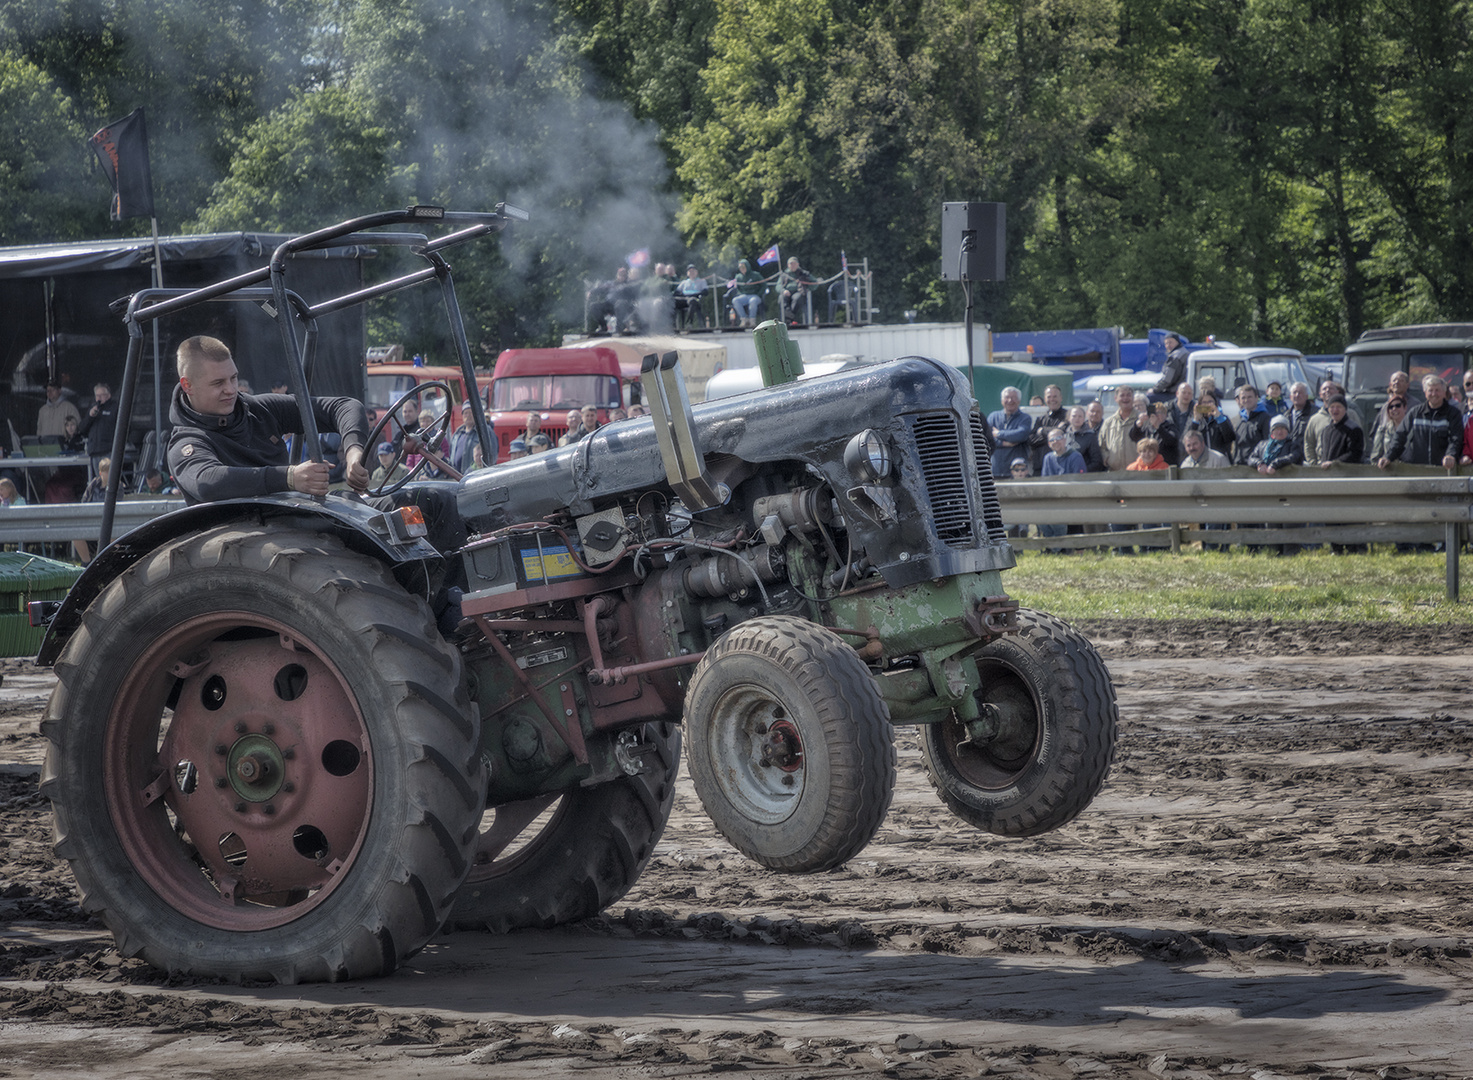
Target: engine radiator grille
(939,444)
(991,508)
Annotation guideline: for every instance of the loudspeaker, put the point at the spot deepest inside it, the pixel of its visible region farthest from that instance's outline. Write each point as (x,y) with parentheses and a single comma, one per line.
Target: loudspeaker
(973,241)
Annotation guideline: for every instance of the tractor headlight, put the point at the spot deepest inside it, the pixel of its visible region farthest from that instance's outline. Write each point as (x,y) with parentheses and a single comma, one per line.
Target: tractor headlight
(867,457)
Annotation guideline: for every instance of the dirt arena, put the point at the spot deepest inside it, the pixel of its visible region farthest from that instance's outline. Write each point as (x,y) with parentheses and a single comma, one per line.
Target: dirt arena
(1274,882)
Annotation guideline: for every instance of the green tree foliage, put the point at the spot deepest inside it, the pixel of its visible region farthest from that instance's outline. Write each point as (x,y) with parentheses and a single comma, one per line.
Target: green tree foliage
(42,160)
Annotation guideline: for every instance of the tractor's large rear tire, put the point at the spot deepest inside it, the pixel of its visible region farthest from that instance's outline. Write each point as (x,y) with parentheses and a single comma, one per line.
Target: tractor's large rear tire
(263,761)
(567,856)
(1053,706)
(791,748)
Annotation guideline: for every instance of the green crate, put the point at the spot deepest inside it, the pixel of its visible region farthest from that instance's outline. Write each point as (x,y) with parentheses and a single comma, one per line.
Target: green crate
(24,578)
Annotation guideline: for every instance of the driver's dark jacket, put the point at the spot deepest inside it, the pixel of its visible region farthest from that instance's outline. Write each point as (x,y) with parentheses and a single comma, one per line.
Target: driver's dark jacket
(245,454)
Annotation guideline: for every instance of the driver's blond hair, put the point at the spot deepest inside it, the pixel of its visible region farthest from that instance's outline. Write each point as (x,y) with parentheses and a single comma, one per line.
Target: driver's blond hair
(194,351)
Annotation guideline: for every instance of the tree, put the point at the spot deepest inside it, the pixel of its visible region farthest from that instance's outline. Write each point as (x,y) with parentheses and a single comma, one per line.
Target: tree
(43,181)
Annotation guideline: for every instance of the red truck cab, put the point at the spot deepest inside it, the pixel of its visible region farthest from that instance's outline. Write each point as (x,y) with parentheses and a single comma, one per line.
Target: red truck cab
(388,376)
(550,382)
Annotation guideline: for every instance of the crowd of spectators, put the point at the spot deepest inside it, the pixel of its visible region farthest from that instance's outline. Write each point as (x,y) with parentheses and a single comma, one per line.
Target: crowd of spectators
(1192,429)
(638,301)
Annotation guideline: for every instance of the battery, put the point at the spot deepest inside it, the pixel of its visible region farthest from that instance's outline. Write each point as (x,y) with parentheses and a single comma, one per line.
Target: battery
(517,563)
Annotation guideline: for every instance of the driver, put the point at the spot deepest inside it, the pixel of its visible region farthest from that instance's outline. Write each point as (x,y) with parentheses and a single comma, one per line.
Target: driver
(227,444)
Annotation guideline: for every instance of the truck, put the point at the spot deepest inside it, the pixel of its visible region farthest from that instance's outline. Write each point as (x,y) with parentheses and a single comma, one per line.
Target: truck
(1229,366)
(291,738)
(1443,349)
(550,382)
(388,376)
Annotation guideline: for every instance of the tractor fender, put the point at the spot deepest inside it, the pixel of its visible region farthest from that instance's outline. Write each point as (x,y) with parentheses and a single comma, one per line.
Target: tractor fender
(360,526)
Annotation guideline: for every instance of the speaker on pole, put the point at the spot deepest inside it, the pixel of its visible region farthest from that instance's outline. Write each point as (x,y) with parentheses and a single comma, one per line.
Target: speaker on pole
(973,241)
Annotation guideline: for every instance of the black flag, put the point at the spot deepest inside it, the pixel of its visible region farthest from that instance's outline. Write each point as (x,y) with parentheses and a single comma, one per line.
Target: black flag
(122,147)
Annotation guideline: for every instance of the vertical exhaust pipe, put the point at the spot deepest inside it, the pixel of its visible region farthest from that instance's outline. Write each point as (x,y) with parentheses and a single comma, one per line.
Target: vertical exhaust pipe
(669,406)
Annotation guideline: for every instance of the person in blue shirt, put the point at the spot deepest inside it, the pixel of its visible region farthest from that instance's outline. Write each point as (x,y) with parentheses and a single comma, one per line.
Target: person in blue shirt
(1010,428)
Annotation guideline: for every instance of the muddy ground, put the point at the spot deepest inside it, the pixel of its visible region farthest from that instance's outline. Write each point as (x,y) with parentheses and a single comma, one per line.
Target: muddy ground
(1274,882)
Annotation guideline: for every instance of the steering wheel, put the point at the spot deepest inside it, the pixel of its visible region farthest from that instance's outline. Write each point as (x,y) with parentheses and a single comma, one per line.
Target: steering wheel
(411,442)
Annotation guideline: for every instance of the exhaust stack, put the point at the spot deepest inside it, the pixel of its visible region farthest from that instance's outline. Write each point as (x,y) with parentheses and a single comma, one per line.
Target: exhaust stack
(669,406)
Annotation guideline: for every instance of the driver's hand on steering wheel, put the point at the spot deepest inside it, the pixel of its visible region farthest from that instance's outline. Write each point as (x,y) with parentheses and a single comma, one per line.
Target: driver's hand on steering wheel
(354,471)
(308,477)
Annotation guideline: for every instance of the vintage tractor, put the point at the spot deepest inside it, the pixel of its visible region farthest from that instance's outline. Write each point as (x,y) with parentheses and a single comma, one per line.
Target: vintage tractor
(269,757)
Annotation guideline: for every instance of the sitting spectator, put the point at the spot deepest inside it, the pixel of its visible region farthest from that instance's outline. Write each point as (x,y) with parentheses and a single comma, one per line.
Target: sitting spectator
(1431,433)
(1342,440)
(601,301)
(154,484)
(1276,451)
(96,492)
(389,471)
(746,295)
(9,494)
(796,287)
(1148,458)
(1395,411)
(688,297)
(1086,440)
(1010,428)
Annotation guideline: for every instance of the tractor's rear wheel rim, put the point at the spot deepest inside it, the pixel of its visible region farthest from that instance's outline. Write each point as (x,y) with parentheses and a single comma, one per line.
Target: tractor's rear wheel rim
(238,771)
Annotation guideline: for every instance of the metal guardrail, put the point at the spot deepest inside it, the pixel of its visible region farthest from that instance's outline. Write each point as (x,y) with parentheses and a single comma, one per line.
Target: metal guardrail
(64,522)
(1352,507)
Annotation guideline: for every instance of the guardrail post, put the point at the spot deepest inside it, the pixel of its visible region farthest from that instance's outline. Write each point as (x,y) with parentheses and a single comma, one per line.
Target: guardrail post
(1452,544)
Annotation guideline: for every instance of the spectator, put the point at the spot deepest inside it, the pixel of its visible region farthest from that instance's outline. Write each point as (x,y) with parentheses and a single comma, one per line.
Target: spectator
(1198,455)
(1342,440)
(463,443)
(52,418)
(1251,426)
(1213,424)
(1208,385)
(1431,433)
(517,449)
(746,299)
(538,444)
(1086,440)
(1276,451)
(1056,417)
(796,287)
(153,484)
(388,471)
(1173,369)
(72,439)
(1011,427)
(602,302)
(1116,445)
(533,426)
(96,492)
(575,428)
(100,423)
(1094,414)
(1395,411)
(1153,422)
(588,417)
(1455,395)
(1062,459)
(1468,389)
(9,494)
(618,414)
(1273,399)
(1148,451)
(1301,410)
(1183,408)
(689,295)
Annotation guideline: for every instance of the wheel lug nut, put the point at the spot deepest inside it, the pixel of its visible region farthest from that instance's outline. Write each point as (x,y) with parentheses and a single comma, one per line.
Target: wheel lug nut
(269,729)
(220,781)
(788,780)
(240,728)
(240,808)
(268,809)
(288,787)
(221,749)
